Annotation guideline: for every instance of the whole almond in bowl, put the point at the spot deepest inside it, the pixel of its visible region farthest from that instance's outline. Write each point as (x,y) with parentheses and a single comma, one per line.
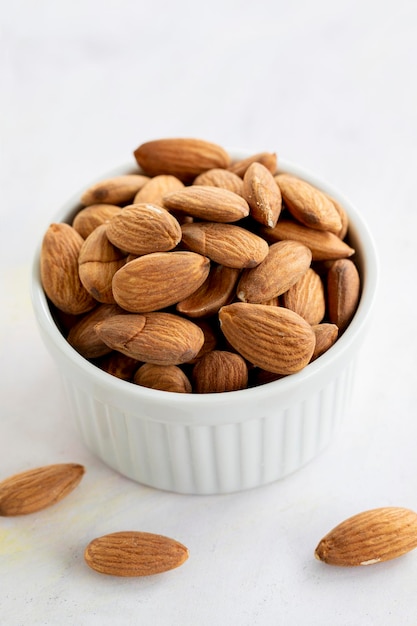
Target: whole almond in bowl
(221,367)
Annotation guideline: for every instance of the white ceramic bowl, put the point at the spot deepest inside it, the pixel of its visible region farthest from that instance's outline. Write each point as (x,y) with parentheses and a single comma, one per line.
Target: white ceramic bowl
(221,442)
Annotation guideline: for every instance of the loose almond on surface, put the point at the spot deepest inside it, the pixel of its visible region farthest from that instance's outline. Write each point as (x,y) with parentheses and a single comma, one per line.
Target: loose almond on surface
(133,553)
(36,489)
(181,157)
(370,537)
(272,338)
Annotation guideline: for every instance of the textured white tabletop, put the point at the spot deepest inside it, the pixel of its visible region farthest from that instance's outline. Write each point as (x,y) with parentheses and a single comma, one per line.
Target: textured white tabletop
(329,85)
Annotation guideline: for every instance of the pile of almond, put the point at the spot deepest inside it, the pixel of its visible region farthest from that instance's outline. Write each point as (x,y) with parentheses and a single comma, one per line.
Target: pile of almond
(200,274)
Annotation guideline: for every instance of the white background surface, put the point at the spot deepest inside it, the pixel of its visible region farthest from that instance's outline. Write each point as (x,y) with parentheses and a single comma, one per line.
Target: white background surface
(329,85)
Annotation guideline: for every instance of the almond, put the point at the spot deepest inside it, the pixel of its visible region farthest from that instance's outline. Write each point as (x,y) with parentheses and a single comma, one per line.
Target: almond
(262,194)
(98,262)
(162,377)
(143,228)
(158,280)
(61,246)
(343,292)
(226,244)
(268,159)
(217,290)
(133,553)
(82,336)
(370,537)
(156,188)
(158,337)
(222,178)
(212,204)
(181,157)
(118,365)
(210,331)
(219,371)
(272,338)
(116,190)
(36,489)
(326,335)
(308,204)
(92,216)
(323,245)
(307,298)
(284,265)
(343,217)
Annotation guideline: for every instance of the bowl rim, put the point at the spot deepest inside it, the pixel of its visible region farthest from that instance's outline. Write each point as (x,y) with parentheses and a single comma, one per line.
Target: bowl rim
(167,399)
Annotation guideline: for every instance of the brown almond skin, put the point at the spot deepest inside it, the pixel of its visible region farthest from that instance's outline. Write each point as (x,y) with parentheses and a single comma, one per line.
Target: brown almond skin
(184,158)
(307,298)
(116,190)
(156,188)
(326,335)
(262,194)
(60,249)
(158,280)
(308,204)
(221,178)
(225,244)
(272,338)
(157,337)
(143,228)
(162,377)
(370,537)
(92,216)
(118,365)
(98,262)
(343,292)
(268,159)
(219,371)
(217,290)
(285,264)
(324,245)
(212,204)
(134,553)
(39,488)
(82,336)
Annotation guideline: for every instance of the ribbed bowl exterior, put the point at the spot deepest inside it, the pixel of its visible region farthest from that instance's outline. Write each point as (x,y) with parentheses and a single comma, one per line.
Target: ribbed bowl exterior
(215,443)
(217,458)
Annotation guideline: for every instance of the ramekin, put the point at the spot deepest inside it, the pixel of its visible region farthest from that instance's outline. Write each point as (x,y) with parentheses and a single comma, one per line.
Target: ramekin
(222,442)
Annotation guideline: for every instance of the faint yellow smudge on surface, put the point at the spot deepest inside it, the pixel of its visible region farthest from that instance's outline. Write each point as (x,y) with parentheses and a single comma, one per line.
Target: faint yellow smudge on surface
(13,542)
